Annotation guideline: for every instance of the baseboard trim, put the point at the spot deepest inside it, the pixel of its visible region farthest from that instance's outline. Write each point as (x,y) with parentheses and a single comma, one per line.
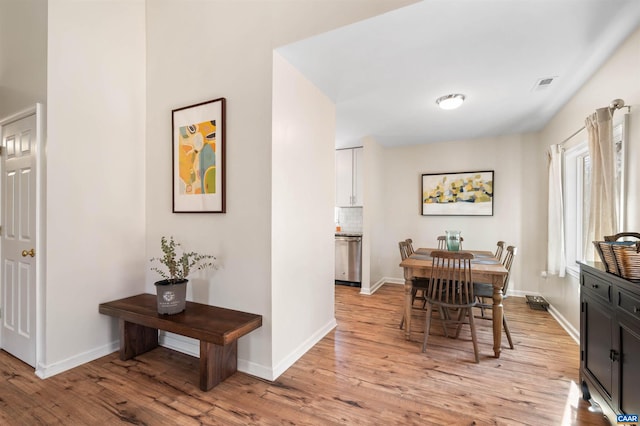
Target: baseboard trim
(570,329)
(520,293)
(45,371)
(375,287)
(179,343)
(391,280)
(566,325)
(191,347)
(294,356)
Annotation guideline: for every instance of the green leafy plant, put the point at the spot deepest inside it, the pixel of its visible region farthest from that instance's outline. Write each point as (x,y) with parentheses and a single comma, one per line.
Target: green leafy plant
(179,265)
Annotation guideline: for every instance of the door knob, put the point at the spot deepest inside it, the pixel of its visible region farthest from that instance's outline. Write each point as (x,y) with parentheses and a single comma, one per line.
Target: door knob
(26,253)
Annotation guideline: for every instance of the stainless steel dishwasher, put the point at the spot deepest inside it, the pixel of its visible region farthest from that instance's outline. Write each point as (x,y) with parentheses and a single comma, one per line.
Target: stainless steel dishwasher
(348,259)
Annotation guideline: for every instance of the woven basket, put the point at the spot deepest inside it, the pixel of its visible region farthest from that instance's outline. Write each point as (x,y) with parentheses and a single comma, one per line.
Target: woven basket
(620,257)
(605,250)
(628,260)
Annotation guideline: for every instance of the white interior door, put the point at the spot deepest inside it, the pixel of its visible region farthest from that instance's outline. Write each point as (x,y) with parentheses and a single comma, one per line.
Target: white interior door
(19,145)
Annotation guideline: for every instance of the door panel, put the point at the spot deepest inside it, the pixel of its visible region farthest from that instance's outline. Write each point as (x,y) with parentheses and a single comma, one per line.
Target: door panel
(598,343)
(629,391)
(18,239)
(344,177)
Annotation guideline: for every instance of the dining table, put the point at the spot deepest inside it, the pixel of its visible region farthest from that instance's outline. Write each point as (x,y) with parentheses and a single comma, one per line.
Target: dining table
(485,268)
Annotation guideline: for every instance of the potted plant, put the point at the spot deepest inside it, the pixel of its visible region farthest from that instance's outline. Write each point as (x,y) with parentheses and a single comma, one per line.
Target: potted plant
(172,289)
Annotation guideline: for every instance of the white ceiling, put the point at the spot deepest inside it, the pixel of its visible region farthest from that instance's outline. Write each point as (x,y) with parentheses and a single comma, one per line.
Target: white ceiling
(385,73)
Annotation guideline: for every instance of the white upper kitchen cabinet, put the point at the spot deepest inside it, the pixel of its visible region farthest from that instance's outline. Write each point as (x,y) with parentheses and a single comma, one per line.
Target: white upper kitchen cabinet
(349,177)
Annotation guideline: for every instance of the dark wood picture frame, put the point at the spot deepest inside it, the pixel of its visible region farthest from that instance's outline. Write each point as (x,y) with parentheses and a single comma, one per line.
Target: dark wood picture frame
(198,157)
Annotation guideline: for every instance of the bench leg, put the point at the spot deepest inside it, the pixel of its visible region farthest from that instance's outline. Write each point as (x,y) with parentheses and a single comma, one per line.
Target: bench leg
(136,339)
(217,363)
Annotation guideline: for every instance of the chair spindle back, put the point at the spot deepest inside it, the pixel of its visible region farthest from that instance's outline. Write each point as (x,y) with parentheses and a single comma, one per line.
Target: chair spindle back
(499,250)
(507,262)
(404,250)
(409,242)
(451,283)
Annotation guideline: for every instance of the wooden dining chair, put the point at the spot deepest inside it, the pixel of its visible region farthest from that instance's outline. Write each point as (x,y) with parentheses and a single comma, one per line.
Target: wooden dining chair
(404,249)
(409,242)
(499,250)
(484,292)
(442,242)
(450,288)
(419,284)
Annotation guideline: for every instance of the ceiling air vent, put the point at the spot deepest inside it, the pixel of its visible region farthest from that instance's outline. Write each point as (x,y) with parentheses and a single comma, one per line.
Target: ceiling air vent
(543,83)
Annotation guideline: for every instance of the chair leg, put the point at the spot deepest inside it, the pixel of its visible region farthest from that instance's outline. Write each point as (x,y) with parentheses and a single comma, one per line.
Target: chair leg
(506,330)
(444,316)
(461,315)
(473,335)
(481,304)
(427,327)
(423,297)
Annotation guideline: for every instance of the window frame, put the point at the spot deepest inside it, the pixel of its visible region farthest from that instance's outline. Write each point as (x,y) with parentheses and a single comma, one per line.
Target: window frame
(573,190)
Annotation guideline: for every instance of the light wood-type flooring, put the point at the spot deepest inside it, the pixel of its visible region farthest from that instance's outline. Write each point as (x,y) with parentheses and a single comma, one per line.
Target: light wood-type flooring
(363,372)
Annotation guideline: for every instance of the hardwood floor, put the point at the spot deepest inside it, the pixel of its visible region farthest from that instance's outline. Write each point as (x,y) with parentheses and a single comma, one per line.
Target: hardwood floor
(363,372)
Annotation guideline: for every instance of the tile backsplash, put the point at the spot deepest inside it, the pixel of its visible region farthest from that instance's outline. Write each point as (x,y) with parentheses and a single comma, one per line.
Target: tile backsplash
(349,218)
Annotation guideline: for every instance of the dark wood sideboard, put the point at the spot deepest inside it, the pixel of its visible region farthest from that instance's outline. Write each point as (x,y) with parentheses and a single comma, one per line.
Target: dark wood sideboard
(609,340)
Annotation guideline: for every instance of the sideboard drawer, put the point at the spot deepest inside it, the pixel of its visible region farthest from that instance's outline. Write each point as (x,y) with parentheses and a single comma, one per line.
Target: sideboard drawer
(597,286)
(629,303)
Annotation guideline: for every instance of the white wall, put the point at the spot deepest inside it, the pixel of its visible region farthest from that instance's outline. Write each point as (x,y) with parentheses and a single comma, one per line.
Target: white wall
(514,166)
(374,220)
(617,78)
(520,212)
(109,195)
(303,194)
(95,174)
(201,50)
(23,55)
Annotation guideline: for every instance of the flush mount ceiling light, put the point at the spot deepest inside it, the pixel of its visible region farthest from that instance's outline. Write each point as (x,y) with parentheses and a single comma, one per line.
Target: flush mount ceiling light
(450,101)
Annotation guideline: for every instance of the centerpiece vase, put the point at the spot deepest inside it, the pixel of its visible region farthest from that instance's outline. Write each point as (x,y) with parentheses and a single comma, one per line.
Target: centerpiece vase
(453,240)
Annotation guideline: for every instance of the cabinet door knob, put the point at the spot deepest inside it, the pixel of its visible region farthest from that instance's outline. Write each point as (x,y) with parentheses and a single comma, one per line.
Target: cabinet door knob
(614,355)
(594,285)
(636,310)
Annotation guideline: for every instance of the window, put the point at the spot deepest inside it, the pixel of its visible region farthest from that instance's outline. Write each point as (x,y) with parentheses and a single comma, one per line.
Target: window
(577,186)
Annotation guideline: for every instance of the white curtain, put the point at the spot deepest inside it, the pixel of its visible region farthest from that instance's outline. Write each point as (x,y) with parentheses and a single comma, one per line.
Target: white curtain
(603,215)
(556,260)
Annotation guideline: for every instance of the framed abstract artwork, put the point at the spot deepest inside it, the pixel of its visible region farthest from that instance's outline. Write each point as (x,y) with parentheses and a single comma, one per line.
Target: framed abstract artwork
(199,157)
(460,194)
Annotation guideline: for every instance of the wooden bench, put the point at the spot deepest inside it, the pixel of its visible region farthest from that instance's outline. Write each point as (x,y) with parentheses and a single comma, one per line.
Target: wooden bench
(217,329)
